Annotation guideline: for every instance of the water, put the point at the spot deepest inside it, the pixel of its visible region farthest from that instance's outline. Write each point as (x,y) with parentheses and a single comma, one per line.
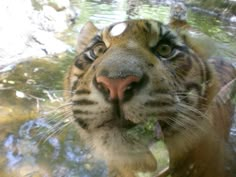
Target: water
(32,141)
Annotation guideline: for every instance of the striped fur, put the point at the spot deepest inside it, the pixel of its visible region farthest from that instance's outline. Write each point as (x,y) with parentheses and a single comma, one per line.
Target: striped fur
(174,88)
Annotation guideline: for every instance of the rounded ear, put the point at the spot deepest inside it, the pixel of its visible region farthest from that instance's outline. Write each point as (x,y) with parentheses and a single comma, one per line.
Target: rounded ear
(200,43)
(87,32)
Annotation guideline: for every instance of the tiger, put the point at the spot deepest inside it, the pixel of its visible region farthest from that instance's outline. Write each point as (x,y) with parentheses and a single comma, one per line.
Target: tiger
(141,73)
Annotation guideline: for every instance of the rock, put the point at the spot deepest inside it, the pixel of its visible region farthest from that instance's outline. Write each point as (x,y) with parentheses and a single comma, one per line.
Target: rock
(233,19)
(48,19)
(43,43)
(178,12)
(30,33)
(59,4)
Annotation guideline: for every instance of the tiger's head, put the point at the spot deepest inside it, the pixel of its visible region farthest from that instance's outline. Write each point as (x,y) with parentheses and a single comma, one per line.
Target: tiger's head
(131,73)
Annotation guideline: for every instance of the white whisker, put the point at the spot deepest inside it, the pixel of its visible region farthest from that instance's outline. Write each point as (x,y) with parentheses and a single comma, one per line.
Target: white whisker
(192,110)
(55,130)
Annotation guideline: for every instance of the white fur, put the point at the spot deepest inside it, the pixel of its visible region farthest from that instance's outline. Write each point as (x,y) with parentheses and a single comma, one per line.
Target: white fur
(118,29)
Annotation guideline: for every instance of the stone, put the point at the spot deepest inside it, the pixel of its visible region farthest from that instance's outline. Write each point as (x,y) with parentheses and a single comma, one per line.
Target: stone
(27,32)
(233,19)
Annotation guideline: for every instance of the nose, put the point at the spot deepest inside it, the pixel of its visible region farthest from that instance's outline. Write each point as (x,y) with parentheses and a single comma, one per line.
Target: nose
(118,88)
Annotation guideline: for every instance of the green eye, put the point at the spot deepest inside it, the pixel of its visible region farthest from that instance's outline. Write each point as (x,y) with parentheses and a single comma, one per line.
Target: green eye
(95,51)
(164,50)
(98,49)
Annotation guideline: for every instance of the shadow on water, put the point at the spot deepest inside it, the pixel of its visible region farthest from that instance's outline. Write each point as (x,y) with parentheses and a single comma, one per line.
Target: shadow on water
(29,145)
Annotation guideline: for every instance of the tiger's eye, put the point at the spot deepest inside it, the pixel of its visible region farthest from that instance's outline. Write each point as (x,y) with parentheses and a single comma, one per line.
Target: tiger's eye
(164,50)
(99,49)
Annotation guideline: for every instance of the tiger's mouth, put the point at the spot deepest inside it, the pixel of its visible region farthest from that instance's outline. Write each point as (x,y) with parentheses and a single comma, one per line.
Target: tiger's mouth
(119,121)
(118,118)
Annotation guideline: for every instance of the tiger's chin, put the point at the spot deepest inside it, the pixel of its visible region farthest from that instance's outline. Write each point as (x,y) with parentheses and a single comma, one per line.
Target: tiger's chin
(115,143)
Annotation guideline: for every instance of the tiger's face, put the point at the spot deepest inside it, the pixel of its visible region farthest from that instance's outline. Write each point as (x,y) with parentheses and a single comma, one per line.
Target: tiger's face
(130,73)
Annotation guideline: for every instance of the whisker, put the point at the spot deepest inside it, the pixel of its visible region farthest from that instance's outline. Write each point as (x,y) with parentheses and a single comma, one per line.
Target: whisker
(57,119)
(60,107)
(55,130)
(195,121)
(192,109)
(62,121)
(191,94)
(58,130)
(59,115)
(186,127)
(64,126)
(191,122)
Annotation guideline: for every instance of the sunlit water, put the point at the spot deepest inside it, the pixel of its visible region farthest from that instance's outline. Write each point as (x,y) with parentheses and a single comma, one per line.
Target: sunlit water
(36,139)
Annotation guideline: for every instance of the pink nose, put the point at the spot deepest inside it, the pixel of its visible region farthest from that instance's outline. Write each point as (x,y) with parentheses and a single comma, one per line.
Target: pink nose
(117,87)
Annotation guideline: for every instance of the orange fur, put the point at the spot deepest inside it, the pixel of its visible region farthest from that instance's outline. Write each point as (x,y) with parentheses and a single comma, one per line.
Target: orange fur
(145,73)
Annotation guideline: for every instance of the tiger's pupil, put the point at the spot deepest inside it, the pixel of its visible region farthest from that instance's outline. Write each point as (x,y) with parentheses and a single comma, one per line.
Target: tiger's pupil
(164,50)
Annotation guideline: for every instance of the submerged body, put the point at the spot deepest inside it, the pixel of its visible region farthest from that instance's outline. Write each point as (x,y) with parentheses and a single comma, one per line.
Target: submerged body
(140,72)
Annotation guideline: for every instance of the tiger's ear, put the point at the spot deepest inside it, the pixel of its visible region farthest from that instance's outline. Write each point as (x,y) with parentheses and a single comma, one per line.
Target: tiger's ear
(200,43)
(86,34)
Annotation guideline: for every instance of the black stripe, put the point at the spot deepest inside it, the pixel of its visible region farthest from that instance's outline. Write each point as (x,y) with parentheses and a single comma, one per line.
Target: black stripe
(148,26)
(87,56)
(160,115)
(160,91)
(82,123)
(77,111)
(161,30)
(97,38)
(208,73)
(82,91)
(183,64)
(74,85)
(82,61)
(158,103)
(79,75)
(84,102)
(94,41)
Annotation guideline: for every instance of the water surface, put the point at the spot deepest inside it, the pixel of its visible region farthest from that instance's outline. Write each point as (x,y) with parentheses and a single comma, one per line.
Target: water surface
(37,139)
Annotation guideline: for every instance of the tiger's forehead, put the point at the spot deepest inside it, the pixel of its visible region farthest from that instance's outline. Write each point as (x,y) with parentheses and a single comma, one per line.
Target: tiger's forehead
(144,31)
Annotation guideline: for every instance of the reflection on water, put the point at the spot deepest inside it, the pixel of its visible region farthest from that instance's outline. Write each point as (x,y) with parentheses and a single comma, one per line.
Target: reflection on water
(29,145)
(29,153)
